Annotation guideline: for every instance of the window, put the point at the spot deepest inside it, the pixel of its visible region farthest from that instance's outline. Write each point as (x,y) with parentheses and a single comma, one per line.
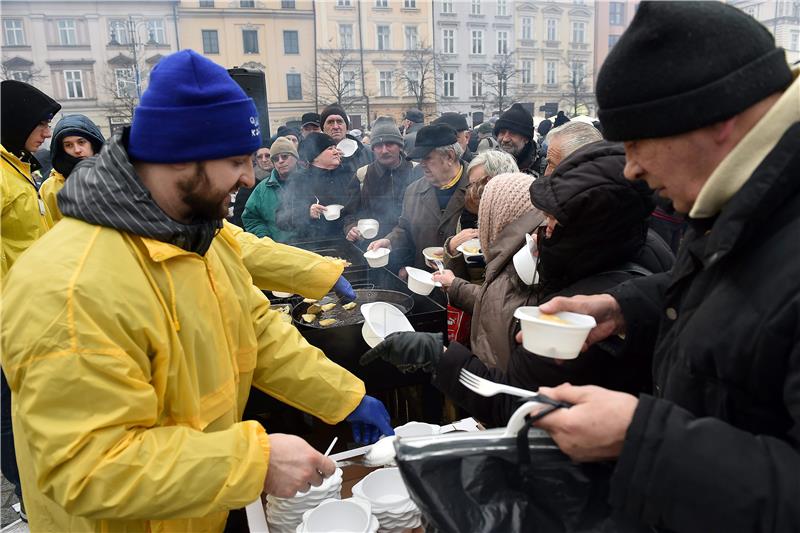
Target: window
(291,42)
(449,83)
(210,42)
(15,35)
(294,89)
(118,28)
(206,3)
(476,7)
(381,3)
(348,83)
(410,4)
(578,72)
(346,36)
(502,87)
(578,32)
(447,6)
(412,79)
(527,28)
(20,75)
(527,71)
(502,8)
(412,38)
(502,42)
(250,41)
(794,40)
(125,81)
(477,41)
(383,38)
(552,25)
(612,40)
(385,84)
(448,41)
(67,35)
(247,3)
(616,13)
(477,84)
(550,73)
(288,4)
(343,3)
(156,31)
(73,79)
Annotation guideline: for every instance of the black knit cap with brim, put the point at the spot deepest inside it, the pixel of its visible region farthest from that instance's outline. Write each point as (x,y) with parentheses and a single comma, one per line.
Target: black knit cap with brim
(333,109)
(681,66)
(313,145)
(516,119)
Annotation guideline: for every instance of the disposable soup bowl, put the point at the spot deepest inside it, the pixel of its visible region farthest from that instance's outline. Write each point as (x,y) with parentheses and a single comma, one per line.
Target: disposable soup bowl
(558,336)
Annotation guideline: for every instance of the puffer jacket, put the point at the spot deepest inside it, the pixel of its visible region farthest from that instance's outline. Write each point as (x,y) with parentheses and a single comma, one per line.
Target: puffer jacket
(717,445)
(262,206)
(131,373)
(25,217)
(601,240)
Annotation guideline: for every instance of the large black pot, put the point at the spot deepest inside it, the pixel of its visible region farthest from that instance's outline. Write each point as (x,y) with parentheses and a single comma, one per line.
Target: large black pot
(345,317)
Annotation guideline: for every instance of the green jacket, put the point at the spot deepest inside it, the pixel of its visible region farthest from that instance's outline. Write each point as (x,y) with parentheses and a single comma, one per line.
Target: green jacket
(259,212)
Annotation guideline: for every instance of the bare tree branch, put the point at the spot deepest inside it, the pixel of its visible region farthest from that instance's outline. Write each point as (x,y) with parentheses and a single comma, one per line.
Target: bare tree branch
(419,74)
(28,74)
(577,87)
(499,78)
(336,78)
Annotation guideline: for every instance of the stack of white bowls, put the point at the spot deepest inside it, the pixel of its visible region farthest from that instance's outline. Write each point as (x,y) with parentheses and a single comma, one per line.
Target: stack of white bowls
(284,514)
(388,497)
(339,516)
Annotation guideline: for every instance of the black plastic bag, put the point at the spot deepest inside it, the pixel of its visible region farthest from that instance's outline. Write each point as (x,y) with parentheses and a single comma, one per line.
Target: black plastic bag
(488,482)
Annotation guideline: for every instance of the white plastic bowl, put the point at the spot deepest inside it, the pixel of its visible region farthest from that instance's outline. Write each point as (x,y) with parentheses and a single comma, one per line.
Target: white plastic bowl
(552,339)
(384,488)
(347,146)
(380,320)
(472,243)
(430,254)
(525,262)
(281,294)
(368,227)
(338,516)
(377,258)
(421,282)
(417,429)
(333,211)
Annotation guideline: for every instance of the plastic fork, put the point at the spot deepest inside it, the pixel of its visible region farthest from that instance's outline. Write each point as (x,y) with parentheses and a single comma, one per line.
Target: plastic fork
(487,388)
(439,265)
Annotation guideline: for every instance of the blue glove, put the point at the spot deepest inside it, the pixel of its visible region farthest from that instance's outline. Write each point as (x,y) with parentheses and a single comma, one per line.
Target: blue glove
(344,290)
(369,421)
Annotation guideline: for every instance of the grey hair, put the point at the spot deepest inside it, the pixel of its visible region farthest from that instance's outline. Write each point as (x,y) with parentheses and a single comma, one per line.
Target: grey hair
(494,162)
(455,147)
(573,135)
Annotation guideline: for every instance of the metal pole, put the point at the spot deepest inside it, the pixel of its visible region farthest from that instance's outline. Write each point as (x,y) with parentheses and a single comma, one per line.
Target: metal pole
(361,51)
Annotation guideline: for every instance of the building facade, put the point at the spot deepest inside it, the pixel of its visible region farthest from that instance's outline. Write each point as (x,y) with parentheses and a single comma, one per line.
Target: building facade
(781,17)
(92,57)
(611,19)
(375,57)
(273,36)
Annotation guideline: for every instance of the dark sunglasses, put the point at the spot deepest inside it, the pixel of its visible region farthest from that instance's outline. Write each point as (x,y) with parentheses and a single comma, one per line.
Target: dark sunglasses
(280,157)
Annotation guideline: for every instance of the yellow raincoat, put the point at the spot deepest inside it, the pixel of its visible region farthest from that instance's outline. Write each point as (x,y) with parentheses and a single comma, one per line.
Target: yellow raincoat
(130,369)
(48,190)
(23,222)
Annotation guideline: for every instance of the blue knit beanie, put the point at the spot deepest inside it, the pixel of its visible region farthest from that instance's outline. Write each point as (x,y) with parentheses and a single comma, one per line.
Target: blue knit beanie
(192,111)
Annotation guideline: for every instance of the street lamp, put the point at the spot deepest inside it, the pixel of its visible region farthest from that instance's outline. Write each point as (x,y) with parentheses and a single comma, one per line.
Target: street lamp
(133,42)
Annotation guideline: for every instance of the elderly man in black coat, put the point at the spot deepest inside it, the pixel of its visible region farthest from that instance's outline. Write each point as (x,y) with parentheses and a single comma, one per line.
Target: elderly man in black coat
(716,447)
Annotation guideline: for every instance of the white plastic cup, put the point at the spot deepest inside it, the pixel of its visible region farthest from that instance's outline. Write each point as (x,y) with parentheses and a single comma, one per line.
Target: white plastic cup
(368,227)
(552,339)
(417,429)
(333,211)
(525,262)
(281,294)
(377,258)
(384,489)
(338,515)
(421,282)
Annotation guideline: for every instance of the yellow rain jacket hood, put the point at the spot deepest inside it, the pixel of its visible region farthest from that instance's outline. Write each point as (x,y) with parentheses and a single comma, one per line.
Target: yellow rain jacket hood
(131,373)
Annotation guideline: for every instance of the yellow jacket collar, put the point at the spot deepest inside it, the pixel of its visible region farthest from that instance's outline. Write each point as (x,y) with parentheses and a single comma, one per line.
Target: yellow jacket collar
(737,167)
(22,166)
(163,251)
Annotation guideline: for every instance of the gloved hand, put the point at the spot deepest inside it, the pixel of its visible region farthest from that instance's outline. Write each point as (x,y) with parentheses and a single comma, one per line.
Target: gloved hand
(344,290)
(369,421)
(408,351)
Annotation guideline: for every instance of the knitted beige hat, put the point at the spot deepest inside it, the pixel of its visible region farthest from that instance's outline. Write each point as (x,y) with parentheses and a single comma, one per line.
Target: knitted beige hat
(282,145)
(505,198)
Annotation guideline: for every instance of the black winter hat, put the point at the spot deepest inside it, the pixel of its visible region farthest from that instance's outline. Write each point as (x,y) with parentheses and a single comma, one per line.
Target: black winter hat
(22,108)
(516,119)
(333,109)
(314,144)
(681,66)
(284,130)
(455,120)
(432,137)
(309,118)
(414,115)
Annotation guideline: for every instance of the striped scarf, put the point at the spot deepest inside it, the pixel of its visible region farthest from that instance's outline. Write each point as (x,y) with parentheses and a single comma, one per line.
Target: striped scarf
(106,191)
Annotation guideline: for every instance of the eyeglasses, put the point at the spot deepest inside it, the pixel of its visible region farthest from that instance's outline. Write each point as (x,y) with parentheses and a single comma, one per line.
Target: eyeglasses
(280,157)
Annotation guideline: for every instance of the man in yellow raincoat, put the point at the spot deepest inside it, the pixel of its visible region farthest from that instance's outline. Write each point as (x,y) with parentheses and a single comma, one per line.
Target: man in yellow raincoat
(133,359)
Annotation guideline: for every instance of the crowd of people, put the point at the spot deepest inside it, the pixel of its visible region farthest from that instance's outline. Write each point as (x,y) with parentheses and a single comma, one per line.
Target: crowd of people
(135,323)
